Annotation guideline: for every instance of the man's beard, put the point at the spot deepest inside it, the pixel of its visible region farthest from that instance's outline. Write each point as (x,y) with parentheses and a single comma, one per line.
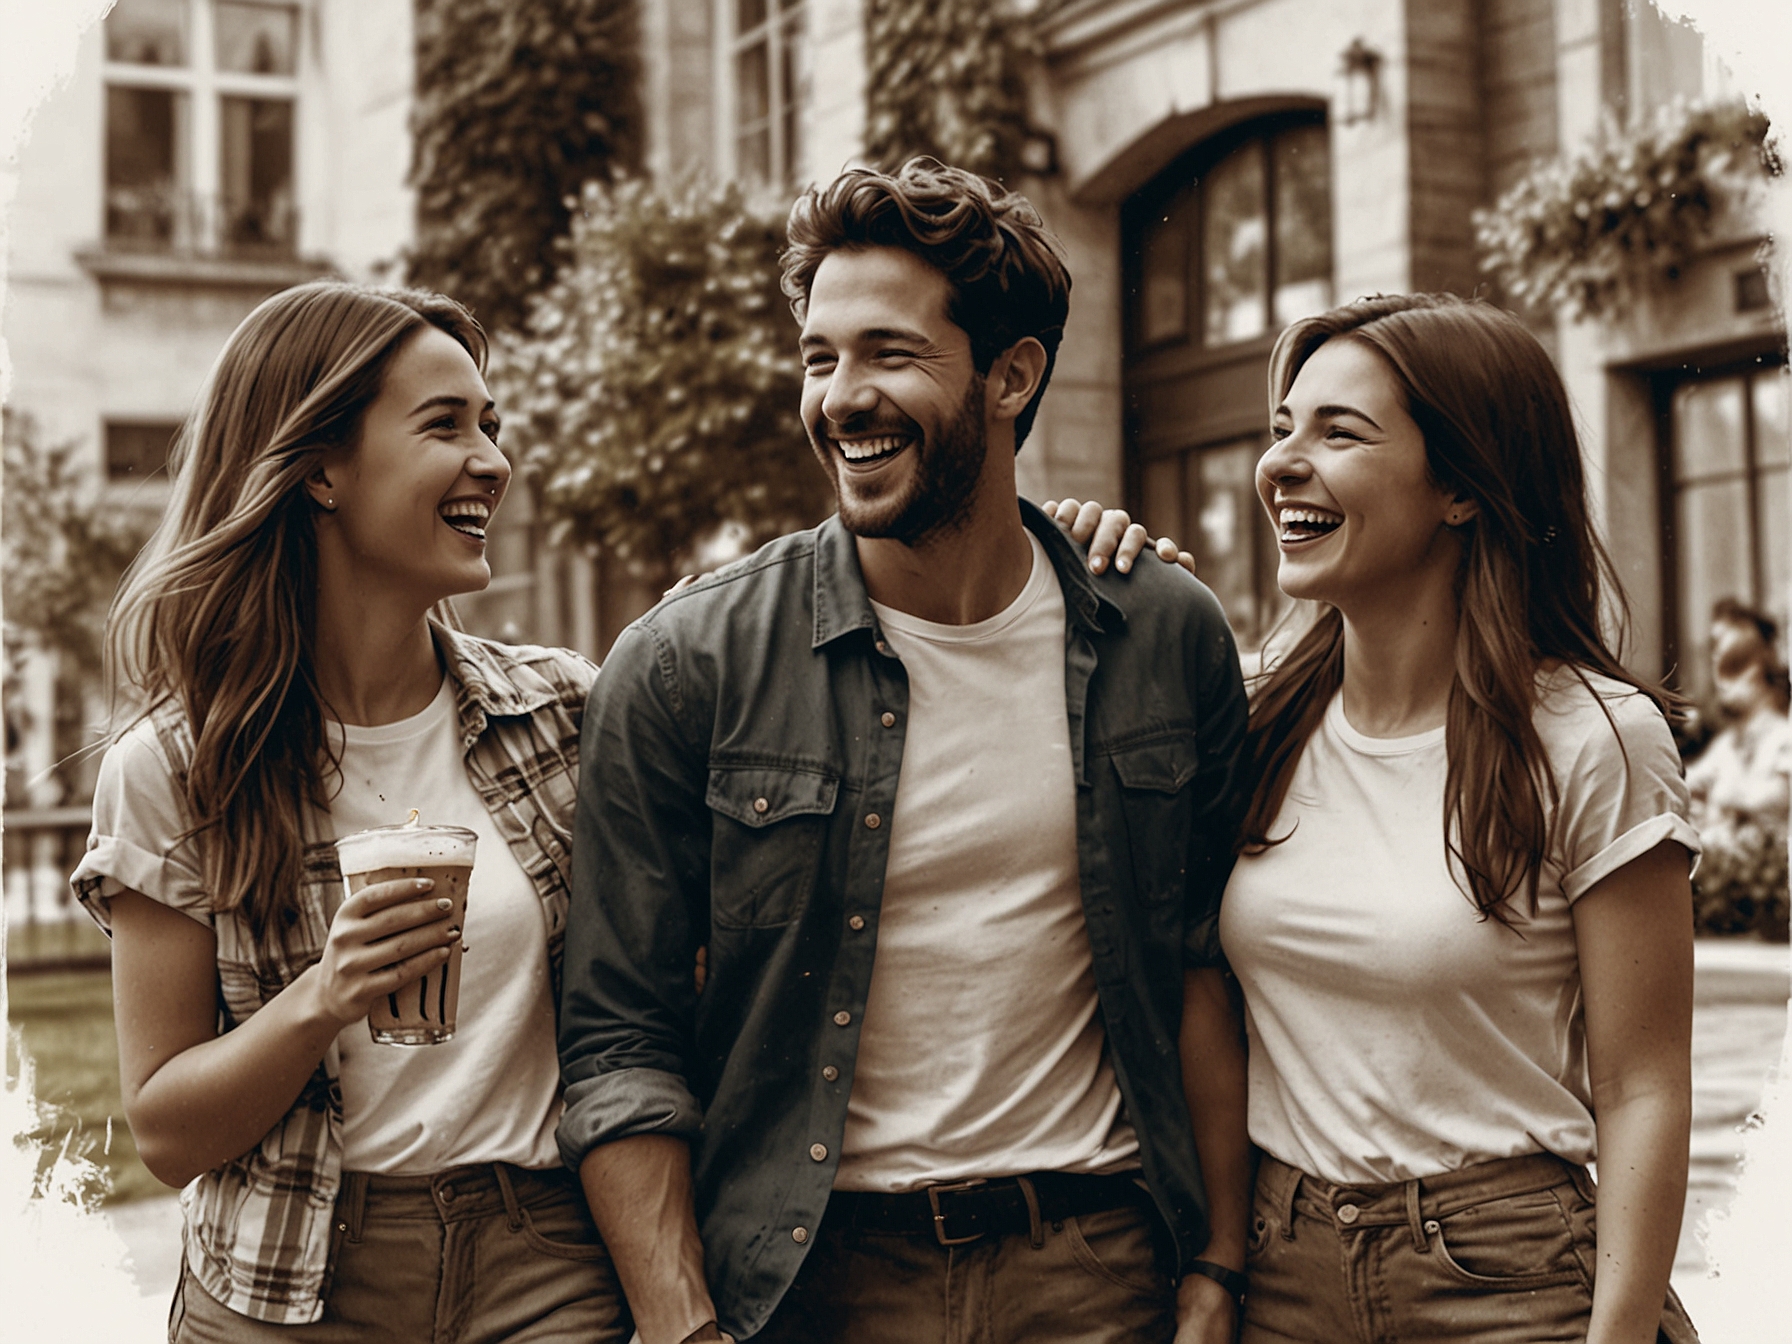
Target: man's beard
(941,490)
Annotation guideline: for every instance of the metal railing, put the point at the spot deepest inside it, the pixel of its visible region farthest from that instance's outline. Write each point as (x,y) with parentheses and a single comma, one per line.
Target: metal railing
(160,218)
(46,929)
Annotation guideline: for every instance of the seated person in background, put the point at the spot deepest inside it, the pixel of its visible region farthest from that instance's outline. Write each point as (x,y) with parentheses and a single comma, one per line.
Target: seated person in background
(1739,783)
(1743,775)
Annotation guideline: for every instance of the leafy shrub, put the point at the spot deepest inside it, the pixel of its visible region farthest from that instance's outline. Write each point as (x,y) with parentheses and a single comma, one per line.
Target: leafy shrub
(1587,232)
(64,549)
(653,396)
(1741,884)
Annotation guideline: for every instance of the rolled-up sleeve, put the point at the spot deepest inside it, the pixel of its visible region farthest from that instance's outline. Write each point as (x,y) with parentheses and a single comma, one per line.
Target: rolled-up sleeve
(1223,710)
(639,907)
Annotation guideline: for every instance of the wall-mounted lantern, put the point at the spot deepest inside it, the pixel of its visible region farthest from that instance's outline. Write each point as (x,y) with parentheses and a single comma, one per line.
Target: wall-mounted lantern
(1039,152)
(1362,82)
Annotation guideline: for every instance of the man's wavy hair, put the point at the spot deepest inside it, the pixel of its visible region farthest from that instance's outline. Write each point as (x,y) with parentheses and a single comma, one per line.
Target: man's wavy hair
(1007,276)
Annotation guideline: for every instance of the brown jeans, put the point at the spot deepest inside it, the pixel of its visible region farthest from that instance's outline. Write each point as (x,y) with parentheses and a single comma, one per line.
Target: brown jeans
(1497,1253)
(475,1255)
(1093,1279)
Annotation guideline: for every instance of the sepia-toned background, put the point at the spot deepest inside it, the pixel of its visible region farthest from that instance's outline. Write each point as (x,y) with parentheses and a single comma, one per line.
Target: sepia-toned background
(1214,168)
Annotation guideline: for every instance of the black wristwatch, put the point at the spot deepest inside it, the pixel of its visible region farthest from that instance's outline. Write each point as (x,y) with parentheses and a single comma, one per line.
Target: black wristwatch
(1229,1279)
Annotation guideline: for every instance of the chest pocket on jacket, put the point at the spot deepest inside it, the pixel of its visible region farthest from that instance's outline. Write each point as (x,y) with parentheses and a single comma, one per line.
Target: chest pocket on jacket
(770,822)
(1158,803)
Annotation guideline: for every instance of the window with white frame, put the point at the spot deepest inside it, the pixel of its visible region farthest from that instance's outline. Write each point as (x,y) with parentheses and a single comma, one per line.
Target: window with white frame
(769,78)
(200,103)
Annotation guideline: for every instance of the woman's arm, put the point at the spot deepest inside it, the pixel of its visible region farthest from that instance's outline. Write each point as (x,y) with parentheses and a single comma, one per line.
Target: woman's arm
(196,1099)
(1634,933)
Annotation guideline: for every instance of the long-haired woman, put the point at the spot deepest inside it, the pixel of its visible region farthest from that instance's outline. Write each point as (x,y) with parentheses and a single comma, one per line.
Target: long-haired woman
(1460,915)
(292,675)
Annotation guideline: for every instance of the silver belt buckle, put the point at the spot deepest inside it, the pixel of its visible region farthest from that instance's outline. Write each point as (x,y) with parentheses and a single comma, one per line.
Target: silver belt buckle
(939,1219)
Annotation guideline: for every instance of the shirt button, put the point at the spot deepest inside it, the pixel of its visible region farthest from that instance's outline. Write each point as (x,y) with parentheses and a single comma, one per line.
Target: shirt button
(873,821)
(889,719)
(799,1235)
(759,804)
(882,647)
(856,923)
(447,1194)
(842,1017)
(830,1073)
(1348,1213)
(818,1151)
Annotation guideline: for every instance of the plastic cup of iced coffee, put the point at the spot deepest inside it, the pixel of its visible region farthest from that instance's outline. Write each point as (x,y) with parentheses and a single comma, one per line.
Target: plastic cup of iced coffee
(422,1012)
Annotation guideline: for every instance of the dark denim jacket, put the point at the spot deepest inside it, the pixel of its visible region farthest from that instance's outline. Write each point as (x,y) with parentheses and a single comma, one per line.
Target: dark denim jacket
(740,751)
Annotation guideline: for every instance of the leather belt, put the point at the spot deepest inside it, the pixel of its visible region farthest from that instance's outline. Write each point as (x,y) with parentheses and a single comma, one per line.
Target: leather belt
(964,1211)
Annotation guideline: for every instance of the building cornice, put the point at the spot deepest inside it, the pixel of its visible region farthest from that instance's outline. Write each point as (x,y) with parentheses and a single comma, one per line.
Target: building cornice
(187,271)
(1080,26)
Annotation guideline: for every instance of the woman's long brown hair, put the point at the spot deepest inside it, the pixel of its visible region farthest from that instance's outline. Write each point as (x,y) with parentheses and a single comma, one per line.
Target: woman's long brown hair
(218,613)
(1534,584)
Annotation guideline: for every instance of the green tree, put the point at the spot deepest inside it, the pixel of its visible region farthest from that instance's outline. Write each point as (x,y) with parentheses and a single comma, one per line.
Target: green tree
(518,105)
(64,549)
(944,77)
(653,396)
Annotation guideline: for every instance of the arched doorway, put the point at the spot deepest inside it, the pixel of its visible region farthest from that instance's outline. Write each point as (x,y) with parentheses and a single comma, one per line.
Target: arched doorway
(1221,250)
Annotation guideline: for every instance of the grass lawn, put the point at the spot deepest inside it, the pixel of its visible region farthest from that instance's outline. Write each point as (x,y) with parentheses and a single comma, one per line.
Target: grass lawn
(65,1018)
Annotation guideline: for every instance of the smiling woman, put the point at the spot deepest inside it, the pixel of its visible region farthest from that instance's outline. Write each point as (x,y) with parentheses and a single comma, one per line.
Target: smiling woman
(1460,913)
(403,509)
(288,672)
(1348,483)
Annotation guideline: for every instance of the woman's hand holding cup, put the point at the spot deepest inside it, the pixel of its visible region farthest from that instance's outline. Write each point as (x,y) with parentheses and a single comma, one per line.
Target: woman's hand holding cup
(384,937)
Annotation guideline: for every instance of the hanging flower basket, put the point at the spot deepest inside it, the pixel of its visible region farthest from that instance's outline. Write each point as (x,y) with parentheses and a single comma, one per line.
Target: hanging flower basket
(1588,233)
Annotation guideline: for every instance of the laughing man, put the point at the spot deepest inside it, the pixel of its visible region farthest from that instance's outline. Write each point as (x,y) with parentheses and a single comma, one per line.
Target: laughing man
(952,817)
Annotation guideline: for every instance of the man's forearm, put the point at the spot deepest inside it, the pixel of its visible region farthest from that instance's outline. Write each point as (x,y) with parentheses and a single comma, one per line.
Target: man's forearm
(1213,1080)
(639,1190)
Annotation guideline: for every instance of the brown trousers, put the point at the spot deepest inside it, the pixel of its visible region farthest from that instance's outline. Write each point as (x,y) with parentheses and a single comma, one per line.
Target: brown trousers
(1497,1253)
(476,1255)
(1094,1279)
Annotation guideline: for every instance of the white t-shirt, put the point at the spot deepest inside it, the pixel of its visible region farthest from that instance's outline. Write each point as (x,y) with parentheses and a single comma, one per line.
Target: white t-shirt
(1394,1033)
(982,1051)
(492,1094)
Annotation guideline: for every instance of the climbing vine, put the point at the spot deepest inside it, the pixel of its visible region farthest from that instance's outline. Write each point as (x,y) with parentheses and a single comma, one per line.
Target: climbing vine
(947,78)
(517,107)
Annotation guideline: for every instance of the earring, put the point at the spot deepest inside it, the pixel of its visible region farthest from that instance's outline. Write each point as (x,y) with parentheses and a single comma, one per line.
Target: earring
(330,503)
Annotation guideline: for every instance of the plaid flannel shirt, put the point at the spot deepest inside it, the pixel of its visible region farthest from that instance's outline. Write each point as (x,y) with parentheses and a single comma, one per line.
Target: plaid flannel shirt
(259,1229)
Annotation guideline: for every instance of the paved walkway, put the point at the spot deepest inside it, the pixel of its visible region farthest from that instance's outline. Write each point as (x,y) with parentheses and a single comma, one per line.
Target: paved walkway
(1739,1021)
(1738,1030)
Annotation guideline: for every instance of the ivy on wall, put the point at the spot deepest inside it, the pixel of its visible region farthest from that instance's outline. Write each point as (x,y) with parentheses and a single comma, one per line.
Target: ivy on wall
(517,106)
(653,396)
(1587,233)
(945,77)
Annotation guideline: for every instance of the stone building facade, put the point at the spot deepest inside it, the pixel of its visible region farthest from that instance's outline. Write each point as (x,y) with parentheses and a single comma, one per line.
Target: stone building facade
(1218,167)
(1221,167)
